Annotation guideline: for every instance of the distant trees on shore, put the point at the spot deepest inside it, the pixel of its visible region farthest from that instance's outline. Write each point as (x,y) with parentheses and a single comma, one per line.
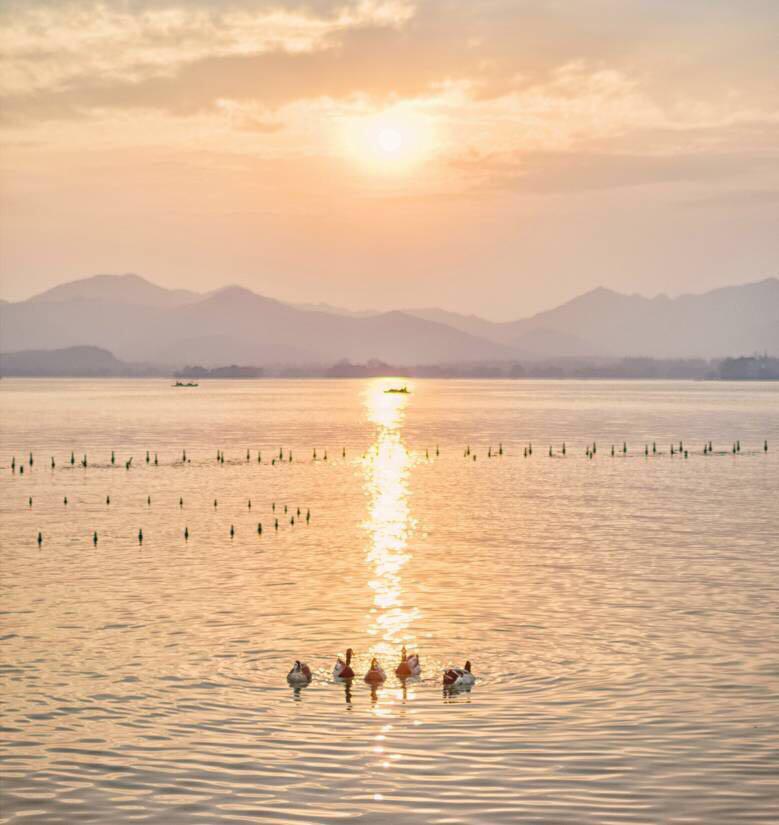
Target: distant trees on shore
(754,368)
(95,363)
(731,369)
(233,371)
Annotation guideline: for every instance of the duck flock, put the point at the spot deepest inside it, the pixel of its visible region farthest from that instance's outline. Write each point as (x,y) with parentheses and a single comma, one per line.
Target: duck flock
(409,667)
(294,515)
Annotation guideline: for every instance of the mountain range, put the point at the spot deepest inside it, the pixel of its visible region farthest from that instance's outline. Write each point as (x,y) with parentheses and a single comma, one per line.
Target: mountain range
(139,321)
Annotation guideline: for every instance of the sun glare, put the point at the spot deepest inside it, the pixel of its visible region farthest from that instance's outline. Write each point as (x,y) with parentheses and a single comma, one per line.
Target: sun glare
(388,142)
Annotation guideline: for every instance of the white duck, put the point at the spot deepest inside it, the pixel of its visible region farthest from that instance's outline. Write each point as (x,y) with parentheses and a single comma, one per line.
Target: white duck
(343,669)
(300,674)
(457,677)
(409,665)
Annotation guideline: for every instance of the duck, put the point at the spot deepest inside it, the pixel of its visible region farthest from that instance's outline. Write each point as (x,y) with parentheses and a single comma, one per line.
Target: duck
(456,677)
(300,673)
(409,665)
(375,675)
(343,669)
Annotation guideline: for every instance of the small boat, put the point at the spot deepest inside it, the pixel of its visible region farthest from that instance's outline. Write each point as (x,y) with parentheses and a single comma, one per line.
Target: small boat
(402,390)
(187,384)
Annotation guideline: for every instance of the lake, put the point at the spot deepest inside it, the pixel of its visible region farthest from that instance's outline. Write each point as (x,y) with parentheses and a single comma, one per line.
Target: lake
(621,612)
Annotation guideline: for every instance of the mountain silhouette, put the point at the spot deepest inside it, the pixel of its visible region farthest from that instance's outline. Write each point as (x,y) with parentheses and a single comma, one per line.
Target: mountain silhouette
(605,323)
(230,325)
(139,321)
(128,289)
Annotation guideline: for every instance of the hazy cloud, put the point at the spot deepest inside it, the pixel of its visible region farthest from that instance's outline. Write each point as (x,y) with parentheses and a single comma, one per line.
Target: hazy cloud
(68,58)
(555,172)
(239,123)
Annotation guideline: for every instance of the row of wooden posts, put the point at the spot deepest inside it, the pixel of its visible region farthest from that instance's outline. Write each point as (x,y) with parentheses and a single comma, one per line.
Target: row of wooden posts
(590,452)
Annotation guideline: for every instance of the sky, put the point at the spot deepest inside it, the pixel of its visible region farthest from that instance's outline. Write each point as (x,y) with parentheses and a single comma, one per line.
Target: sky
(494,157)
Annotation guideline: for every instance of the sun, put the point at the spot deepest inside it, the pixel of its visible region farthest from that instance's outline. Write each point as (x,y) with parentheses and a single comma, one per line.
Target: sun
(388,142)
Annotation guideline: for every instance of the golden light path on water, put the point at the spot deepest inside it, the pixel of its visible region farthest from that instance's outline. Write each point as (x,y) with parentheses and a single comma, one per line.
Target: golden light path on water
(386,468)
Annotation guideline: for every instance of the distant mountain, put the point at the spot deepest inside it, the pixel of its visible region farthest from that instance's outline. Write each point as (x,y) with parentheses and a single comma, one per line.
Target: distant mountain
(139,321)
(333,310)
(605,323)
(742,319)
(540,342)
(471,324)
(231,325)
(126,289)
(73,361)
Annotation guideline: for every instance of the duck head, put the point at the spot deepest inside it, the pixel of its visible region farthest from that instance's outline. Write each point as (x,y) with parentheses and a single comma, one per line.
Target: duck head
(468,666)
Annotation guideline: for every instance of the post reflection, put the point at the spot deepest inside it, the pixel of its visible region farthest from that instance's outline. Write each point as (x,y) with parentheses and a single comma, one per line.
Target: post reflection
(386,468)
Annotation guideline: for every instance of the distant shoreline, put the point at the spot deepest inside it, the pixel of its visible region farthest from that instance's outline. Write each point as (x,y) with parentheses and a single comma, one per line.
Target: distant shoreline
(526,378)
(95,362)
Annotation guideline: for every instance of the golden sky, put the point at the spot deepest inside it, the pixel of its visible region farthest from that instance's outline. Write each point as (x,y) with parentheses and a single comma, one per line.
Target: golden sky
(495,157)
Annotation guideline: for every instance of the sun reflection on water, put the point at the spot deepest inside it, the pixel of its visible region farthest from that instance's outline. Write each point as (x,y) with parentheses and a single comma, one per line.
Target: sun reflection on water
(389,526)
(389,523)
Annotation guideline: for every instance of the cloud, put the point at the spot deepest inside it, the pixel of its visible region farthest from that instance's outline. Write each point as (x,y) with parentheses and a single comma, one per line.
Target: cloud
(557,172)
(71,59)
(60,48)
(521,96)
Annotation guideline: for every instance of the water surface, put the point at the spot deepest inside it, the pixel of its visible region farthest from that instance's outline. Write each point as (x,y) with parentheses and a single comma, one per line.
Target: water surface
(622,614)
